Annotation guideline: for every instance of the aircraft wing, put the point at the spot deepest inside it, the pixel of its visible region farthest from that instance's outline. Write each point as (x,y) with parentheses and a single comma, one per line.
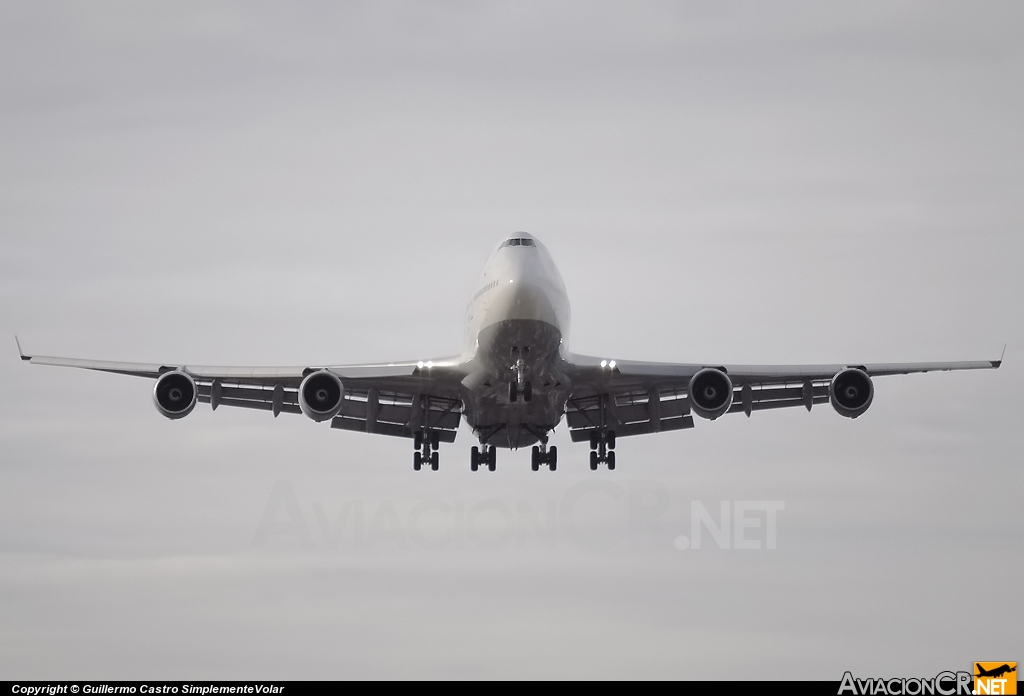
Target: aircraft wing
(645,397)
(396,399)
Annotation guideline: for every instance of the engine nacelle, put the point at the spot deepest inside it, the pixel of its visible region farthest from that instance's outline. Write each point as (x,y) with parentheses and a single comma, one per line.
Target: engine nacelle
(320,395)
(851,392)
(710,393)
(175,394)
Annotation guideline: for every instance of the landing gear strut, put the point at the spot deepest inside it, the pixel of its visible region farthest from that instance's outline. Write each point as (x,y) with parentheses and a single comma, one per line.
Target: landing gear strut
(488,457)
(425,444)
(602,449)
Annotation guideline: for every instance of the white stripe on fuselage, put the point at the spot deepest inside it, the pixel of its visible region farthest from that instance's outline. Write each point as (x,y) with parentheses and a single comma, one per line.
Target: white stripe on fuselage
(518,282)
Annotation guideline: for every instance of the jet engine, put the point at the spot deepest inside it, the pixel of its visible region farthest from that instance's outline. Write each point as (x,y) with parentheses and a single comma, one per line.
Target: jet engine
(175,394)
(710,393)
(320,395)
(851,392)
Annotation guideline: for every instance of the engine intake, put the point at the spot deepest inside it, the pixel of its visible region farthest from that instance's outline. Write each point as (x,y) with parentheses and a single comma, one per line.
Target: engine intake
(175,394)
(851,392)
(710,393)
(320,395)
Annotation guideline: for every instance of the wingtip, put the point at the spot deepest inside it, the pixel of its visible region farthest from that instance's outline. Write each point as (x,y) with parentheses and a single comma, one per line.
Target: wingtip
(997,363)
(20,351)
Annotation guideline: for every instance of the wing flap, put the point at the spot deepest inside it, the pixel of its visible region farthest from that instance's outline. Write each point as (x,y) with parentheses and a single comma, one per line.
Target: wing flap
(629,429)
(246,403)
(400,415)
(380,428)
(628,413)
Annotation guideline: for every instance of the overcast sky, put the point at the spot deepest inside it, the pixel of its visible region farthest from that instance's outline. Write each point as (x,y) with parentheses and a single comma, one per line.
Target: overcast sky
(300,183)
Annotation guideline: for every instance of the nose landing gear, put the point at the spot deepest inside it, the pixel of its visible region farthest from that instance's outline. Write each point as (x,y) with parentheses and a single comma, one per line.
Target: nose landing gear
(516,389)
(520,385)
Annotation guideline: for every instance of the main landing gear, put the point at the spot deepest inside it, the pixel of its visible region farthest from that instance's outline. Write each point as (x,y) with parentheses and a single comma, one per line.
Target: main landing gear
(602,449)
(544,455)
(426,444)
(488,457)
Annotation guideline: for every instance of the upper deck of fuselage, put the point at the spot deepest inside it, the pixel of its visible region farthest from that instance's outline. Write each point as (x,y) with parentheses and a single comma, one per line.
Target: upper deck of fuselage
(519,282)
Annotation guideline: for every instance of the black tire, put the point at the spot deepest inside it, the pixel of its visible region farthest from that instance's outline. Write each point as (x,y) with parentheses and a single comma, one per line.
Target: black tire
(417,440)
(611,461)
(552,456)
(434,461)
(417,461)
(552,465)
(435,441)
(528,391)
(491,466)
(593,461)
(611,439)
(474,459)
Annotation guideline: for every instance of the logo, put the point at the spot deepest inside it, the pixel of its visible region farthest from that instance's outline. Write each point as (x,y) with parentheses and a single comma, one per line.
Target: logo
(944,684)
(995,678)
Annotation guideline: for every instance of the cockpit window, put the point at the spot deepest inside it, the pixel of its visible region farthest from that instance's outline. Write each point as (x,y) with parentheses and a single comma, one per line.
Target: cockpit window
(518,241)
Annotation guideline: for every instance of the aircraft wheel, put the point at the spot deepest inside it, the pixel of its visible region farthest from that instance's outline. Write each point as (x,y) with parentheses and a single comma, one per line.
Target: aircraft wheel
(434,461)
(435,441)
(552,457)
(593,440)
(417,461)
(611,461)
(593,461)
(611,439)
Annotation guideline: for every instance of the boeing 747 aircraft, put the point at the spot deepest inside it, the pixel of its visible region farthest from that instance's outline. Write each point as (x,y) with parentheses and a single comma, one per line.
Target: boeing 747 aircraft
(515,380)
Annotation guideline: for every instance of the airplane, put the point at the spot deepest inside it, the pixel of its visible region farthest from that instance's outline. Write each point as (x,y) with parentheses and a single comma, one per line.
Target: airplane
(996,672)
(515,380)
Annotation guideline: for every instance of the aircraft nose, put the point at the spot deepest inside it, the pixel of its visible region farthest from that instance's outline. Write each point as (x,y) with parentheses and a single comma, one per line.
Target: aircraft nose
(519,298)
